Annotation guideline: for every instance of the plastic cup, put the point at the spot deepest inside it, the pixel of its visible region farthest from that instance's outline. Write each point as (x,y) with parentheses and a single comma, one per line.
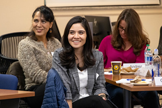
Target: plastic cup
(116,66)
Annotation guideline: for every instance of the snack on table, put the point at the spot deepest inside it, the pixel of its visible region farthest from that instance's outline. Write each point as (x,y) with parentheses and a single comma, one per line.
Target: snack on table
(134,70)
(141,82)
(129,69)
(136,79)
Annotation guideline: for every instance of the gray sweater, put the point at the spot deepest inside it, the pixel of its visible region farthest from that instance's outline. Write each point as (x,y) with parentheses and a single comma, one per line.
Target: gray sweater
(36,60)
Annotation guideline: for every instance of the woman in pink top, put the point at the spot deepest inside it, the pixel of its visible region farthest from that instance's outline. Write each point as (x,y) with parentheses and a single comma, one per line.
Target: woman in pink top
(127,44)
(112,54)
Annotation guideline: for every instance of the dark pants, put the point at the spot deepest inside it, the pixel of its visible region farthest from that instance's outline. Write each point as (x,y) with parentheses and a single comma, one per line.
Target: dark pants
(36,101)
(160,92)
(93,101)
(149,99)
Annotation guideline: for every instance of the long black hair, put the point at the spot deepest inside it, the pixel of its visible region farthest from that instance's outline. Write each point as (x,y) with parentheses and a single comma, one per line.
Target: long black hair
(67,56)
(48,16)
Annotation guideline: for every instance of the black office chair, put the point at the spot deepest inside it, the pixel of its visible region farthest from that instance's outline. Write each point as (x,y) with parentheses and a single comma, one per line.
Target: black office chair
(160,42)
(9,48)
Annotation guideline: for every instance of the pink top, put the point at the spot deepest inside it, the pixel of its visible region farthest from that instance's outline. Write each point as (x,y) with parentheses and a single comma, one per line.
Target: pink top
(111,54)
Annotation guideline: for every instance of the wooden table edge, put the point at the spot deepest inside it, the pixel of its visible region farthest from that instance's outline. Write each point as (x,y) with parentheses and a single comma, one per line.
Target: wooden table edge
(20,94)
(133,89)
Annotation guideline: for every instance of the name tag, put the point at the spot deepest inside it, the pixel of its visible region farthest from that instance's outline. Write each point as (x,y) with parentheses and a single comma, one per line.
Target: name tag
(134,65)
(158,81)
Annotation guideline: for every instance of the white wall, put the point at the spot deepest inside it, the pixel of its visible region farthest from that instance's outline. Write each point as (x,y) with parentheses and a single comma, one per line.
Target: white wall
(16,15)
(151,17)
(58,3)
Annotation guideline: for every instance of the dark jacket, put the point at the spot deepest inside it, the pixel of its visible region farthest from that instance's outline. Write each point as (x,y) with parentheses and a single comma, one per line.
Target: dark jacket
(54,96)
(16,69)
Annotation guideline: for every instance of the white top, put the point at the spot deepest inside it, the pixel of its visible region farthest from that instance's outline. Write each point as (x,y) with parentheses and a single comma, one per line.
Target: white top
(83,79)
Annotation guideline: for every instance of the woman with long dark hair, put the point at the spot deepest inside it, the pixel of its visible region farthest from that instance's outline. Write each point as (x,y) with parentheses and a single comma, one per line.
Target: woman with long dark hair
(81,67)
(35,54)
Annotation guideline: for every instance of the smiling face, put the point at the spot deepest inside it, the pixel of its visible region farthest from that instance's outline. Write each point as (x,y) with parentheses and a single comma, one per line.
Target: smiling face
(77,36)
(40,25)
(122,29)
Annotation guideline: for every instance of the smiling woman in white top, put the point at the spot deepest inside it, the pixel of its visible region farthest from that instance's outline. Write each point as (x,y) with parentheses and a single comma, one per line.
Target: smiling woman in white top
(81,67)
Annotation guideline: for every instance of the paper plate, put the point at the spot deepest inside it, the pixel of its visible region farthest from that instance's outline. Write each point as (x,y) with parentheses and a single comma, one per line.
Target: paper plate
(127,73)
(142,84)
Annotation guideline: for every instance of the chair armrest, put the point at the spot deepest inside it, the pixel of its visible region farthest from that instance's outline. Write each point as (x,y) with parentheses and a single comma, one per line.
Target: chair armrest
(8,59)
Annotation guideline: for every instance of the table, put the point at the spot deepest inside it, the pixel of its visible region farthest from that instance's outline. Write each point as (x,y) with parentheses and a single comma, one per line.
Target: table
(128,88)
(10,98)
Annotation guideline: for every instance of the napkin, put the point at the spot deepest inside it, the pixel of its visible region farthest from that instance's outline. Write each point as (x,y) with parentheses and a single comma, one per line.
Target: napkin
(128,80)
(143,72)
(108,73)
(123,81)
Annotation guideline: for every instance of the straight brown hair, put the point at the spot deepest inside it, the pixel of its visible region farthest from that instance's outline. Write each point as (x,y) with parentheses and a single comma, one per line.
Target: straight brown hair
(134,31)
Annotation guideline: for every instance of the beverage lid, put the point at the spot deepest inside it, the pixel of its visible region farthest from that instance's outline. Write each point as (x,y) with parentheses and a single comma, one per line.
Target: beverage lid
(116,61)
(156,51)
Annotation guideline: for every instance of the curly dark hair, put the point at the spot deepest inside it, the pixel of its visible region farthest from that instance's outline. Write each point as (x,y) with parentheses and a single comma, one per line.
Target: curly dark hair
(48,16)
(67,56)
(133,30)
